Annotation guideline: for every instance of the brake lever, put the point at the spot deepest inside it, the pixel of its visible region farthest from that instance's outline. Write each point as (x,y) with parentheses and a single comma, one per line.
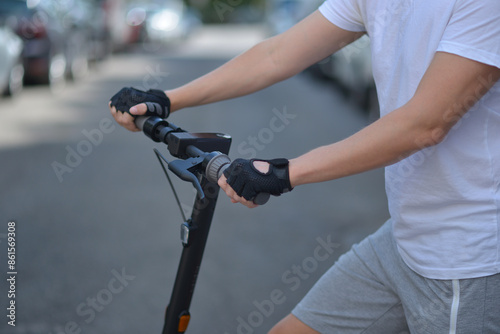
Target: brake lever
(185,169)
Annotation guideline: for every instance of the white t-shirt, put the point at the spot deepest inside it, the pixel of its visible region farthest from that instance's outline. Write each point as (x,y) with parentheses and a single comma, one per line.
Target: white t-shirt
(444,200)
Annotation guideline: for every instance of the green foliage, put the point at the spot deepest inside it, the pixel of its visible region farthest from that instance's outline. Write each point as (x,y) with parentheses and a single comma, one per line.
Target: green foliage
(229,11)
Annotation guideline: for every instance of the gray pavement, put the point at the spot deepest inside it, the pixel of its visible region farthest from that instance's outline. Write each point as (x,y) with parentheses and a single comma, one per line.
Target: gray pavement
(97,228)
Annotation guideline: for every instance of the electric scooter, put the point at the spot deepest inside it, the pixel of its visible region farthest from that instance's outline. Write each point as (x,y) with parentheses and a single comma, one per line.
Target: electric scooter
(201,160)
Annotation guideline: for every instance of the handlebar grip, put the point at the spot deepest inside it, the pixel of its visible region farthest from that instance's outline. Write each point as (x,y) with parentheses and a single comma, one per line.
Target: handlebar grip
(215,169)
(261,198)
(139,122)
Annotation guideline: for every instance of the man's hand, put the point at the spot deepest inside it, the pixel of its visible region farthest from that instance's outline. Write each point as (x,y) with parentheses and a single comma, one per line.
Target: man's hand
(244,179)
(126,119)
(130,102)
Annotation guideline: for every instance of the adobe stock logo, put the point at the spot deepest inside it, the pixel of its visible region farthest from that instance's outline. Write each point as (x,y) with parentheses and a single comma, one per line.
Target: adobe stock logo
(292,279)
(96,303)
(250,147)
(85,147)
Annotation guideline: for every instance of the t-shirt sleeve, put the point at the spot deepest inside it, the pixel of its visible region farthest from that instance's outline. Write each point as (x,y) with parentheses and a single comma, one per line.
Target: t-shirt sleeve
(344,14)
(474,31)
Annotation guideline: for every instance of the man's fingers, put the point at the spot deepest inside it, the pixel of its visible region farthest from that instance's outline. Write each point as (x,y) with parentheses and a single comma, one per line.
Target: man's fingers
(127,121)
(139,109)
(233,195)
(227,189)
(124,119)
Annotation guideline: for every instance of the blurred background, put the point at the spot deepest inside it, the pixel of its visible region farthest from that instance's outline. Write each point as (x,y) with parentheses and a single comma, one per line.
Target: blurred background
(97,227)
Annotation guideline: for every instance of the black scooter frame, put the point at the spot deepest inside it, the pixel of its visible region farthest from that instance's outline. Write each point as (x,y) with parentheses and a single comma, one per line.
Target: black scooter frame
(177,313)
(194,151)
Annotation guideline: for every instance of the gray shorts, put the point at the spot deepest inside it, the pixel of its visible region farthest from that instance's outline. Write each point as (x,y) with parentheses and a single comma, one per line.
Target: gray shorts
(371,290)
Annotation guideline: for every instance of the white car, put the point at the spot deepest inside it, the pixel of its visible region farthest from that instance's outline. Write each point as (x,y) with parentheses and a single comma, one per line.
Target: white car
(11,64)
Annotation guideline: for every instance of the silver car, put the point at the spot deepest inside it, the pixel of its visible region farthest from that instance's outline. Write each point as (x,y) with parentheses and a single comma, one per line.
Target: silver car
(11,64)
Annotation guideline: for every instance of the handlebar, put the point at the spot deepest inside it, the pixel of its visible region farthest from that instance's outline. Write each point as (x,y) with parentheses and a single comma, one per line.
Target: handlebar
(139,122)
(209,148)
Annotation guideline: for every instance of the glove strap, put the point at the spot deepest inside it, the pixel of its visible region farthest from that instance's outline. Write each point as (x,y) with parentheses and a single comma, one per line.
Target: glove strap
(279,167)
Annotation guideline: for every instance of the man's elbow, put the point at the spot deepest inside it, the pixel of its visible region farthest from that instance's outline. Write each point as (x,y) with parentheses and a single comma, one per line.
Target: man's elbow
(431,135)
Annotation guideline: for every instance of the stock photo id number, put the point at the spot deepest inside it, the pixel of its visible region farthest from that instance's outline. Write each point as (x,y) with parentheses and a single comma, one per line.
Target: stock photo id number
(11,273)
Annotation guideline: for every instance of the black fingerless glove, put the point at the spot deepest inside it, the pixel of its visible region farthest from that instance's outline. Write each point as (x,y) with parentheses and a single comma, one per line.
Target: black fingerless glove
(247,181)
(157,102)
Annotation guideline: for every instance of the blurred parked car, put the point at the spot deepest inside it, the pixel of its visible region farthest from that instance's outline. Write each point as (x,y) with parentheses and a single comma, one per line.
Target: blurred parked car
(351,68)
(120,33)
(130,22)
(11,66)
(163,22)
(56,37)
(43,54)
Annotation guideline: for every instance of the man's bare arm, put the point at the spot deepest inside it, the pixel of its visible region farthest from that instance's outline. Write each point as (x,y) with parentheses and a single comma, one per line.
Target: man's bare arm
(268,62)
(442,98)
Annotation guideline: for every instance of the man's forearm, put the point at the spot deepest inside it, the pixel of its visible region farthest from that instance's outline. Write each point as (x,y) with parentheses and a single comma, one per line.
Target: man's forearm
(269,62)
(384,142)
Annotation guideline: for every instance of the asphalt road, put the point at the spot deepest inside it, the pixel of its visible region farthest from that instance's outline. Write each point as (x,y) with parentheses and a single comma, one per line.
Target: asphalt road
(97,227)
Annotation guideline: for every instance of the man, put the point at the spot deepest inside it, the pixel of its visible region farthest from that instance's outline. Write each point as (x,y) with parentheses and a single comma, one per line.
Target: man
(434,267)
